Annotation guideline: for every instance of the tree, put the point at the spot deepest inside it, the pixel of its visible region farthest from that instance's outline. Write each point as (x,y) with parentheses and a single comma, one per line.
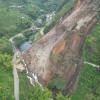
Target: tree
(24,24)
(5,46)
(57,83)
(6,78)
(61,97)
(38,93)
(6,61)
(34,13)
(18,41)
(30,92)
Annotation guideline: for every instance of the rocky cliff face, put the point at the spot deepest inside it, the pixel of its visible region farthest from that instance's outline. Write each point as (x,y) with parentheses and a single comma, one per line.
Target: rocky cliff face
(58,53)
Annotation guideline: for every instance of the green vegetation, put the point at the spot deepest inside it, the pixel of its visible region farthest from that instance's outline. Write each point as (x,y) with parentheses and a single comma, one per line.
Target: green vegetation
(82,29)
(5,46)
(14,20)
(6,78)
(55,58)
(75,25)
(88,84)
(50,66)
(11,22)
(18,41)
(61,97)
(46,4)
(34,12)
(6,70)
(89,79)
(57,83)
(88,23)
(91,48)
(17,15)
(21,62)
(36,37)
(6,61)
(63,10)
(80,34)
(28,33)
(30,92)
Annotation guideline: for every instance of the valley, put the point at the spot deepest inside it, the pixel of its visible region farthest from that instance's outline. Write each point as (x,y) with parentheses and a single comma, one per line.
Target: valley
(51,54)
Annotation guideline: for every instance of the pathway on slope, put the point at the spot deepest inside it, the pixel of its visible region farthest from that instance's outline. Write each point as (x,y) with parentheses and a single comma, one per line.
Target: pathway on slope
(41,31)
(16,80)
(97,66)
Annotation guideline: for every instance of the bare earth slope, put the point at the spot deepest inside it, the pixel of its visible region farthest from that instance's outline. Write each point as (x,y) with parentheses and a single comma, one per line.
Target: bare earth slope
(64,40)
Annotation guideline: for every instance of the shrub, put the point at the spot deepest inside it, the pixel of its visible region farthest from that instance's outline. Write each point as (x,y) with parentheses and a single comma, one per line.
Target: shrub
(50,66)
(75,25)
(73,32)
(57,83)
(55,58)
(80,34)
(18,41)
(61,97)
(28,33)
(5,46)
(6,61)
(48,27)
(82,29)
(89,22)
(24,24)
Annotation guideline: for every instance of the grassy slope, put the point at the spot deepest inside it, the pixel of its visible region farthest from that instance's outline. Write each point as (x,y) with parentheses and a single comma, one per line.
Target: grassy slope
(6,77)
(89,79)
(29,92)
(6,85)
(9,21)
(6,81)
(24,86)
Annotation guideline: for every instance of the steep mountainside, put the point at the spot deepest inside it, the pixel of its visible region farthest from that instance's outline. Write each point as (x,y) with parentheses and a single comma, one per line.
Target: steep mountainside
(58,53)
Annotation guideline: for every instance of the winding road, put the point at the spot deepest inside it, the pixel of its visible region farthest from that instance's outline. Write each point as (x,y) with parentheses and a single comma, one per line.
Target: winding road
(16,84)
(16,78)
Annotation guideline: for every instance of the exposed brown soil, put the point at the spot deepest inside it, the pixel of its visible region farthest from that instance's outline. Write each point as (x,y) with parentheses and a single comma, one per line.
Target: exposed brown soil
(64,41)
(57,49)
(72,52)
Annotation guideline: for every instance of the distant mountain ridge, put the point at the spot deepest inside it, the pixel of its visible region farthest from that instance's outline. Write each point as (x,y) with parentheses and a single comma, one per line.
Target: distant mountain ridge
(43,4)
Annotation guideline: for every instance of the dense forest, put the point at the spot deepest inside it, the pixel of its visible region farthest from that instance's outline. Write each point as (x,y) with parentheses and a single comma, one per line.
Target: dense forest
(17,16)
